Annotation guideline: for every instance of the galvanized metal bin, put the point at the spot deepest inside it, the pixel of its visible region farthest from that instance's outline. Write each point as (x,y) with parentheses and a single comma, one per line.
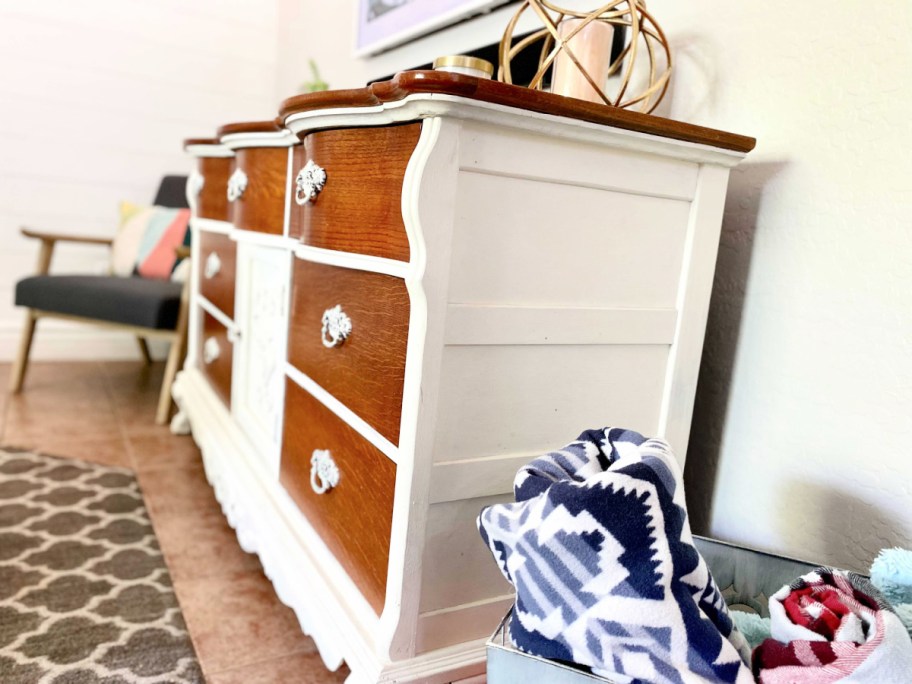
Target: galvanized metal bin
(747,577)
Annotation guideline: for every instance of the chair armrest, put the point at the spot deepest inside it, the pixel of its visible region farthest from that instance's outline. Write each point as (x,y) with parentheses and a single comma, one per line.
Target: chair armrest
(57,237)
(48,240)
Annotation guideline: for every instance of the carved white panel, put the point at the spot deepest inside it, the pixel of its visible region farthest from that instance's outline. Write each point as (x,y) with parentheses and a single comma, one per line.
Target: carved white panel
(263,287)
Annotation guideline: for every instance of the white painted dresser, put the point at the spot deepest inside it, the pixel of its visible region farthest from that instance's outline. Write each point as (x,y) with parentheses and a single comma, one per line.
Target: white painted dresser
(430,282)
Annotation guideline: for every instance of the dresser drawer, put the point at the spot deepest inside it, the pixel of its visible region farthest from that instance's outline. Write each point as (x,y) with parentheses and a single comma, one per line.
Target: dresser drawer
(215,354)
(359,208)
(218,256)
(212,202)
(261,204)
(353,516)
(365,370)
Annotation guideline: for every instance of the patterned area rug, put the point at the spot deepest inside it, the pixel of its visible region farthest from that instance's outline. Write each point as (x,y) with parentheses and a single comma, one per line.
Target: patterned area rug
(85,596)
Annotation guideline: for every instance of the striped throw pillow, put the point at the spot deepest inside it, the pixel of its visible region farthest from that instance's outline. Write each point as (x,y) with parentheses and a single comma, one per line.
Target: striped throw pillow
(146,241)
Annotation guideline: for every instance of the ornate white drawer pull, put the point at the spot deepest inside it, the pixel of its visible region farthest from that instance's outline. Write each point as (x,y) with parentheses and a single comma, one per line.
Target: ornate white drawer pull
(211,350)
(324,473)
(309,183)
(337,326)
(195,184)
(213,265)
(236,185)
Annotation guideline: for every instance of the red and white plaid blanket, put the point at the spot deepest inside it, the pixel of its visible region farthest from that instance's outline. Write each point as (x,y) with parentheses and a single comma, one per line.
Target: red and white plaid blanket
(833,626)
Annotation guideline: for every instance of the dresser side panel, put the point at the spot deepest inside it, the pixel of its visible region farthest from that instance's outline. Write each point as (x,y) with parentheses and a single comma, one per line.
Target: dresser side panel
(525,242)
(555,238)
(506,399)
(694,291)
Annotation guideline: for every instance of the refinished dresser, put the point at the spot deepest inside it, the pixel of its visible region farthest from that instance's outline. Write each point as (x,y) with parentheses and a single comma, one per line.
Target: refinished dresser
(404,292)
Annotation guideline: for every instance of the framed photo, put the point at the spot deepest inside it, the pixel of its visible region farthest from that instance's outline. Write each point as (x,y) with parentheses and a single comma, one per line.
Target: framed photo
(383,24)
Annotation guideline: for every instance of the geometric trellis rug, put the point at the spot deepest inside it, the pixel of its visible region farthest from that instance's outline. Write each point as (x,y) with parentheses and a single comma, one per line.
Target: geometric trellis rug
(85,596)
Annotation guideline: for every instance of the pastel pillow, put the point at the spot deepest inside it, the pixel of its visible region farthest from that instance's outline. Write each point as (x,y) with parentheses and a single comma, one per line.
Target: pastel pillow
(147,239)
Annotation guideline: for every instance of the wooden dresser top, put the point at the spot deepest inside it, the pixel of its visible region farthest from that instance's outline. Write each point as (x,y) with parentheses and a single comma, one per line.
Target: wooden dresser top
(249,127)
(408,83)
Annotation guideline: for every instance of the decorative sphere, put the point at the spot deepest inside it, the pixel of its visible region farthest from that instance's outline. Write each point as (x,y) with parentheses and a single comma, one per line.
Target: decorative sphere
(638,75)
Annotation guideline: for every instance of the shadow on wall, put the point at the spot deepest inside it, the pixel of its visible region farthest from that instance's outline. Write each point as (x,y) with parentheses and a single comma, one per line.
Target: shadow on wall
(836,527)
(739,224)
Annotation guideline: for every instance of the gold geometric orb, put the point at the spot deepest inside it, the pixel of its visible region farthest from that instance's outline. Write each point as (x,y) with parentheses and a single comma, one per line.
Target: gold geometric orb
(642,68)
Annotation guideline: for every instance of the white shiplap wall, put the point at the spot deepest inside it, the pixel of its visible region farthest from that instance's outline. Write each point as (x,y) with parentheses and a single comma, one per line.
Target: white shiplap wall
(95,99)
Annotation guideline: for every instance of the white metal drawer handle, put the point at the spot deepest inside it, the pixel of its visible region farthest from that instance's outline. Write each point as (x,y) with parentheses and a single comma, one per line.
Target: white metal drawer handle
(211,350)
(213,265)
(337,326)
(236,185)
(324,473)
(309,183)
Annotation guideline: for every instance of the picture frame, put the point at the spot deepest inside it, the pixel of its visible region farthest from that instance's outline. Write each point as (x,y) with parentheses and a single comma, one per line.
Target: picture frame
(385,24)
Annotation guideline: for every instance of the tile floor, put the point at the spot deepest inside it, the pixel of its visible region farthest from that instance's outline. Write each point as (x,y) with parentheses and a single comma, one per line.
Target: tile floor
(104,412)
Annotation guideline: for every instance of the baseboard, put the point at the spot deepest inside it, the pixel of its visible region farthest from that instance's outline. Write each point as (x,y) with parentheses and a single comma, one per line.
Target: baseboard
(63,341)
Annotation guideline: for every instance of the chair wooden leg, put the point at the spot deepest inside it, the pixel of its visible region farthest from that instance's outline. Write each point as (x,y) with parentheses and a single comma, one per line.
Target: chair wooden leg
(175,356)
(164,400)
(144,350)
(25,346)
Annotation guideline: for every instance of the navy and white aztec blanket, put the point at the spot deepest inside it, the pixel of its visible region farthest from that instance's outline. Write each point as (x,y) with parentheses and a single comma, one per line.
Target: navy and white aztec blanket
(599,549)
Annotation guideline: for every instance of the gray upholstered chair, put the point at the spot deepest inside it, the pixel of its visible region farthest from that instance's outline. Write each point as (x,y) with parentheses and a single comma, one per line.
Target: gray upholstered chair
(150,309)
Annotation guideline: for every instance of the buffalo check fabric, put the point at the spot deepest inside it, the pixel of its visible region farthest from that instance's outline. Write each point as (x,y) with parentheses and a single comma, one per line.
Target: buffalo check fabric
(599,549)
(833,626)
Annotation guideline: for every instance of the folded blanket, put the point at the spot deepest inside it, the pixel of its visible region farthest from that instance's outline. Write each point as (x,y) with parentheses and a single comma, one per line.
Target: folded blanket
(755,628)
(833,626)
(599,548)
(891,572)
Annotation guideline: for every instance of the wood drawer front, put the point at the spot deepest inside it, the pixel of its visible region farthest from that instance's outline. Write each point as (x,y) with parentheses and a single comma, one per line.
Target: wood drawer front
(216,273)
(261,207)
(366,371)
(354,518)
(213,197)
(360,207)
(215,354)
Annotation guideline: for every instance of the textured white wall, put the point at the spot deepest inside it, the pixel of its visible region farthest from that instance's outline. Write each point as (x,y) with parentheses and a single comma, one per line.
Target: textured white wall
(802,427)
(95,98)
(800,440)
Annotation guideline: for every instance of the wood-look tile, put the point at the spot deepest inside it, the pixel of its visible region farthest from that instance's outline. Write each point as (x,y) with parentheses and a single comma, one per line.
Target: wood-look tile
(31,424)
(157,452)
(68,400)
(200,546)
(110,451)
(301,668)
(4,394)
(74,380)
(135,389)
(177,491)
(33,415)
(236,620)
(134,378)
